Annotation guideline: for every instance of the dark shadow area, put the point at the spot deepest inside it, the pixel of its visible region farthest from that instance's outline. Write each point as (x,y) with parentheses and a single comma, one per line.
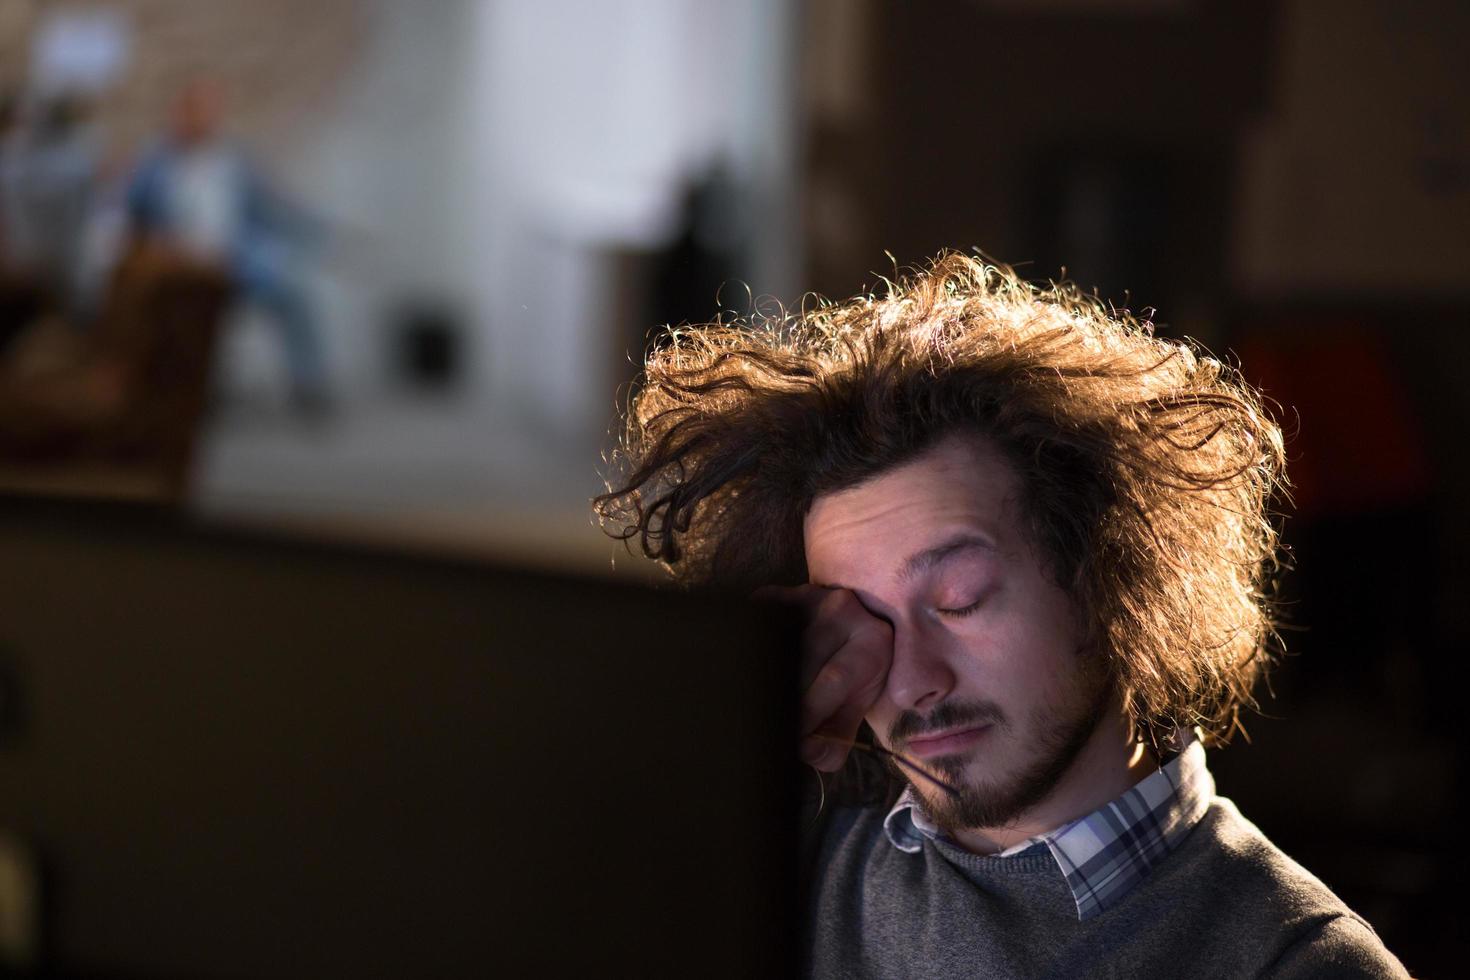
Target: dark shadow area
(251,757)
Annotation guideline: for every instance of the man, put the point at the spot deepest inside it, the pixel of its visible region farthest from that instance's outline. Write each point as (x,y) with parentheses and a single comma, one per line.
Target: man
(198,193)
(1035,546)
(47,173)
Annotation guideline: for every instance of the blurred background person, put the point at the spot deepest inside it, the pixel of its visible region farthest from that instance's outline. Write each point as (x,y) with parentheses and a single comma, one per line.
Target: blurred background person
(20,297)
(49,165)
(198,192)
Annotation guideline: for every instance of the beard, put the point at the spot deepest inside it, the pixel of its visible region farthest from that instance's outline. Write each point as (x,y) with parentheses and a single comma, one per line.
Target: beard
(1059,732)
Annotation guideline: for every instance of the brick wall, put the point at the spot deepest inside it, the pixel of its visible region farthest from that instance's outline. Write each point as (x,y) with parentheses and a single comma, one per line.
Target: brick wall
(282,62)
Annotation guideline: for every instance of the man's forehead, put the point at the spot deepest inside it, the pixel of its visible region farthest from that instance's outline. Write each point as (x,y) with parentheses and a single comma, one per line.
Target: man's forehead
(952,502)
(962,475)
(900,556)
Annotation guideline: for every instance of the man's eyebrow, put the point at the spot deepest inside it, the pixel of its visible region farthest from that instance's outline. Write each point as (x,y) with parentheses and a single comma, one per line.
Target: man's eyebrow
(940,553)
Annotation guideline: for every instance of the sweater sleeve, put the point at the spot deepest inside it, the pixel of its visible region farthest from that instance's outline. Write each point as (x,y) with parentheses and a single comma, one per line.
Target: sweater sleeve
(1341,946)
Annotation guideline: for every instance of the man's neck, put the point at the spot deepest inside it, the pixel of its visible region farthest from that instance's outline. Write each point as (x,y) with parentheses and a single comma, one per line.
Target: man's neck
(1109,765)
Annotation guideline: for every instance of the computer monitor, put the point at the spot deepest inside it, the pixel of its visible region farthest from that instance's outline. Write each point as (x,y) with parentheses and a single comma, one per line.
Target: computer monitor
(243,756)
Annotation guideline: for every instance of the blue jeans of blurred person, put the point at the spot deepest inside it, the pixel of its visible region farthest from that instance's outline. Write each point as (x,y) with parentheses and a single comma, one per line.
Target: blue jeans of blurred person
(269,283)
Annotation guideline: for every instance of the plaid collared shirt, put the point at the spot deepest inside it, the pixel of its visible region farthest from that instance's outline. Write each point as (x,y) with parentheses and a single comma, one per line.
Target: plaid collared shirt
(1104,854)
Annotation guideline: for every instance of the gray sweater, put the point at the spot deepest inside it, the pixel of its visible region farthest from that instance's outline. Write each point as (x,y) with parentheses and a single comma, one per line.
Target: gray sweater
(1226,903)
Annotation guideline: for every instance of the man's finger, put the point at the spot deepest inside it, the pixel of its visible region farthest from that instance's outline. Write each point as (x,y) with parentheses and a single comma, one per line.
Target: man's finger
(827,749)
(854,674)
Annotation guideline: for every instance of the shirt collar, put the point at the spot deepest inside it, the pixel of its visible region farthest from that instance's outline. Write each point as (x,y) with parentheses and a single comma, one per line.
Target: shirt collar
(1104,854)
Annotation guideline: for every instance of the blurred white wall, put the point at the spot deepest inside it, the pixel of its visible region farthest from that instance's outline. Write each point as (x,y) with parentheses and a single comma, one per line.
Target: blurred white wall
(497,153)
(587,120)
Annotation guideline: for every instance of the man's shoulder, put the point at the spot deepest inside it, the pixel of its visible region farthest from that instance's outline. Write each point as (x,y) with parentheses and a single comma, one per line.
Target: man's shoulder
(1344,946)
(1252,887)
(856,830)
(1245,860)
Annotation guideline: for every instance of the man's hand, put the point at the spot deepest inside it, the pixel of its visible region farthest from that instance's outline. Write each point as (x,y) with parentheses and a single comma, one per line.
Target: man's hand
(845,655)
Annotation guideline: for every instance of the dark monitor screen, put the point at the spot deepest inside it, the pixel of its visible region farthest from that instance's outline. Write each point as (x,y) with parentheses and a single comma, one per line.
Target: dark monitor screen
(239,756)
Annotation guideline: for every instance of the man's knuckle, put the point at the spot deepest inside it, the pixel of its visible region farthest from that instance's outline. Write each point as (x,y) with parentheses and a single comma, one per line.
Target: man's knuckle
(833,675)
(835,604)
(874,635)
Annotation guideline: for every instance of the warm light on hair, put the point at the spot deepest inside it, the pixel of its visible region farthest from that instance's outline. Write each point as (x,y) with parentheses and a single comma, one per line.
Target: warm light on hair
(1148,469)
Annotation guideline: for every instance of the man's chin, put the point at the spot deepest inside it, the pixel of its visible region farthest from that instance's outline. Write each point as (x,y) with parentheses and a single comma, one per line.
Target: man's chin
(978,801)
(983,797)
(971,809)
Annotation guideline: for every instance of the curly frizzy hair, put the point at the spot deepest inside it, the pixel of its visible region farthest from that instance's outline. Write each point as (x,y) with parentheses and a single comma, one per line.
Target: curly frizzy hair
(1147,470)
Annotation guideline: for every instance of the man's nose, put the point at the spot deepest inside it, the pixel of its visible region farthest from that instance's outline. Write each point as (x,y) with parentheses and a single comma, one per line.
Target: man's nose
(920,676)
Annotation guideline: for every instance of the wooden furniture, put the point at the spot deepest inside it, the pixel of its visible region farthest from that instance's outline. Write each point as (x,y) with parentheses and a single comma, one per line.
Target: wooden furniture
(117,413)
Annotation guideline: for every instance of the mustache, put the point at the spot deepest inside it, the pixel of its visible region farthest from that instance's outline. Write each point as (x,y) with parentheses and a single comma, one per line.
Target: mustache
(947,715)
